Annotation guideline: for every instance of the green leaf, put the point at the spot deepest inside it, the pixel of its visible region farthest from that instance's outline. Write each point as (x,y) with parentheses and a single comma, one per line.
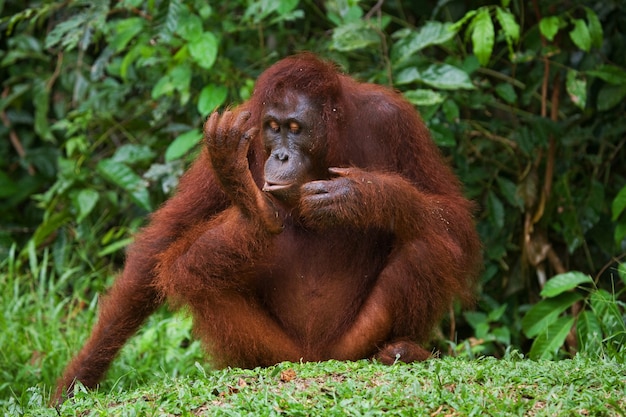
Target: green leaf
(509,190)
(115,246)
(353,36)
(609,73)
(495,209)
(483,36)
(124,31)
(211,97)
(496,315)
(549,26)
(41,100)
(132,154)
(181,76)
(610,96)
(442,135)
(189,27)
(605,306)
(576,86)
(545,312)
(589,332)
(203,50)
(506,92)
(163,86)
(50,225)
(564,282)
(475,318)
(447,77)
(174,9)
(442,76)
(286,6)
(432,33)
(595,28)
(182,144)
(451,110)
(509,25)
(580,35)
(547,344)
(85,201)
(619,204)
(424,97)
(459,24)
(68,33)
(123,176)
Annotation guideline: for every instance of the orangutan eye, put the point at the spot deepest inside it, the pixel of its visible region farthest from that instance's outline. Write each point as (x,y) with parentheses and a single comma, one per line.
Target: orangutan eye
(294,127)
(274,126)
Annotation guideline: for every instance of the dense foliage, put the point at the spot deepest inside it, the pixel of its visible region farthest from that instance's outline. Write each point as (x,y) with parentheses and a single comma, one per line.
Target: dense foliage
(102,103)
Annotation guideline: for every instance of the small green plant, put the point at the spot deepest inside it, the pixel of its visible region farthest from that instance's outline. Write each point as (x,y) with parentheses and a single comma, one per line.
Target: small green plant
(573,305)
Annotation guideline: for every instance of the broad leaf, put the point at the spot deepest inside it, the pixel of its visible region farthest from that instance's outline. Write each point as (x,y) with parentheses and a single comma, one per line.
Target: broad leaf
(442,76)
(576,87)
(506,92)
(611,95)
(509,26)
(459,24)
(619,204)
(549,26)
(180,77)
(123,176)
(547,344)
(545,312)
(564,282)
(42,105)
(50,225)
(352,36)
(495,209)
(442,135)
(189,27)
(203,50)
(164,86)
(589,332)
(86,200)
(609,73)
(508,23)
(606,307)
(483,36)
(182,144)
(211,97)
(124,31)
(510,191)
(424,97)
(595,28)
(432,33)
(580,35)
(131,153)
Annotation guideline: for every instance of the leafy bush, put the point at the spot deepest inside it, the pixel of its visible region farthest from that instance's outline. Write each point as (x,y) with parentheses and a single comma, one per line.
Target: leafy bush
(595,326)
(103,103)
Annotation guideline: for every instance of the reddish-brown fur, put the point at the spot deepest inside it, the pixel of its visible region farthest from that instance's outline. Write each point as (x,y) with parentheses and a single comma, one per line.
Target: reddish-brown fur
(368,277)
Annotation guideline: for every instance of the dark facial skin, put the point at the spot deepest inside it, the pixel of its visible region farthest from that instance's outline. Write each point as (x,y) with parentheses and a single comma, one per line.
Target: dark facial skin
(294,139)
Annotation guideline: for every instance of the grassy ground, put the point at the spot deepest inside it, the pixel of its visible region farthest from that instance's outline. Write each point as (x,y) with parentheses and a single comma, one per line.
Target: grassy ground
(46,315)
(447,386)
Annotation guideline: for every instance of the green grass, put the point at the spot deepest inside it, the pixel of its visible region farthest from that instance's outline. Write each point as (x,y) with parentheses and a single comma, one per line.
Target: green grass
(46,315)
(448,386)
